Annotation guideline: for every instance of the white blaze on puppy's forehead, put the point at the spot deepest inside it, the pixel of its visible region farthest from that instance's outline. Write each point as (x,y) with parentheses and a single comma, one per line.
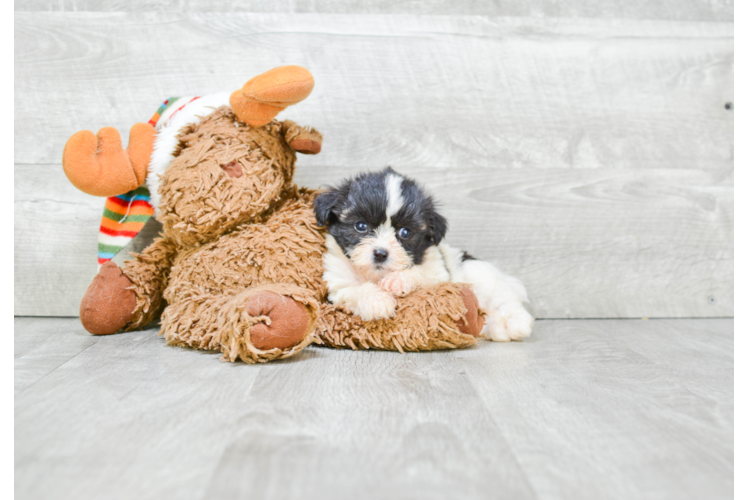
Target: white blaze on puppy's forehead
(393,184)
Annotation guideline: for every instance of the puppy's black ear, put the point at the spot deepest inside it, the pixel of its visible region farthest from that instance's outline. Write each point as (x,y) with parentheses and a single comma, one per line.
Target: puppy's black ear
(323,205)
(438,227)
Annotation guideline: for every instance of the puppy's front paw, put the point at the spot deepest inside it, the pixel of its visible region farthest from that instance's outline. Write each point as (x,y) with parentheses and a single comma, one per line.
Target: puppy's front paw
(398,284)
(367,301)
(377,305)
(509,322)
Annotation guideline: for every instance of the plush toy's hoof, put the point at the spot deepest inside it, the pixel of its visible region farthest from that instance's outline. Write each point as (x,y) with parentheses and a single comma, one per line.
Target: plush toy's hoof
(288,325)
(109,303)
(474,322)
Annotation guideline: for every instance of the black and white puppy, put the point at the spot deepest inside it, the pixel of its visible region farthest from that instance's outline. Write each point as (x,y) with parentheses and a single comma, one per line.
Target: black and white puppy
(384,241)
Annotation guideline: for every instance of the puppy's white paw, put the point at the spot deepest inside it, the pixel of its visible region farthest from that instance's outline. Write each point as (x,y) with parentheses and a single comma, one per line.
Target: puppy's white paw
(509,322)
(397,283)
(367,301)
(378,305)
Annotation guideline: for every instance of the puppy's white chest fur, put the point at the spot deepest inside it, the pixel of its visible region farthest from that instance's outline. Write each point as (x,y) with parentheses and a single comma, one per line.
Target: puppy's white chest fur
(348,289)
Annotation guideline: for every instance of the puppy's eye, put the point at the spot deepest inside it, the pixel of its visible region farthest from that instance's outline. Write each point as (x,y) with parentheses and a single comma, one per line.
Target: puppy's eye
(404,233)
(361,227)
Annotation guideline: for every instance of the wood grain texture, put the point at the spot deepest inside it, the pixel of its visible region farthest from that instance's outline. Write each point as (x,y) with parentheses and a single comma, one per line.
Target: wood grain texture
(55,242)
(586,243)
(583,409)
(637,412)
(55,235)
(592,157)
(597,243)
(739,129)
(43,346)
(691,10)
(404,90)
(130,418)
(681,10)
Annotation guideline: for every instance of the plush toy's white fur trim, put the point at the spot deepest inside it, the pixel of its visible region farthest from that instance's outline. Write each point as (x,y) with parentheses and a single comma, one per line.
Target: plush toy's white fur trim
(166,139)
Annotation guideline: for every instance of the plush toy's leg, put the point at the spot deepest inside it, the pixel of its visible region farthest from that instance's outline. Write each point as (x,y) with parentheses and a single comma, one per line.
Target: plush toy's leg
(256,325)
(445,316)
(128,298)
(97,164)
(109,302)
(266,95)
(149,273)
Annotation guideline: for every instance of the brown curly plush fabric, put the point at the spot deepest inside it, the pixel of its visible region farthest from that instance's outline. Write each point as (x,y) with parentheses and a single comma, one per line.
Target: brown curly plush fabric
(239,263)
(200,201)
(149,273)
(425,320)
(222,322)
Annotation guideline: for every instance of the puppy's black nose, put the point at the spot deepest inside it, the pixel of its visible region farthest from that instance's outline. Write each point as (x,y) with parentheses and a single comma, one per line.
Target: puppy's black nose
(380,255)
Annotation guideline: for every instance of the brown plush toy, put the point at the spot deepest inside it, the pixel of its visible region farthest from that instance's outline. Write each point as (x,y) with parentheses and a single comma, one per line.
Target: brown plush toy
(238,267)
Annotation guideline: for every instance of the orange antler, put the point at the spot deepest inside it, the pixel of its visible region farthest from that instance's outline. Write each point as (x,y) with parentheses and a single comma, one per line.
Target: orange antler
(266,95)
(97,164)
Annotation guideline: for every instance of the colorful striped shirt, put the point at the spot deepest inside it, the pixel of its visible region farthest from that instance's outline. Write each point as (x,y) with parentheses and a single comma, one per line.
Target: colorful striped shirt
(126,214)
(124,217)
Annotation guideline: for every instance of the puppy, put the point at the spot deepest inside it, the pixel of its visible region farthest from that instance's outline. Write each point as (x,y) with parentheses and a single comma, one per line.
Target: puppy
(384,241)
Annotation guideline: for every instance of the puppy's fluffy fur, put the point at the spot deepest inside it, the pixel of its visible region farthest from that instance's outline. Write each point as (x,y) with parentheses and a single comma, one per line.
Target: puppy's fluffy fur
(385,240)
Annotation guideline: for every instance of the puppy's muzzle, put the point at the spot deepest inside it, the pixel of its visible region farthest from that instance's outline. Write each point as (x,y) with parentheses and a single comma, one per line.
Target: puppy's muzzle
(380,255)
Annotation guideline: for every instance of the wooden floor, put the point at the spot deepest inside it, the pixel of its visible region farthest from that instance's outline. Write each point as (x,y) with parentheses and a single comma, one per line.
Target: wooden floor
(584,409)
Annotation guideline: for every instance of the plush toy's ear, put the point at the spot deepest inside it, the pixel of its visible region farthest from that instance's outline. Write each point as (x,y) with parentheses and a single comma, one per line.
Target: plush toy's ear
(438,227)
(304,140)
(323,205)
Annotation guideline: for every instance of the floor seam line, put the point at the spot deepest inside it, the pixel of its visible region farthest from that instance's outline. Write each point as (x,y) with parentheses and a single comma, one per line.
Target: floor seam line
(55,369)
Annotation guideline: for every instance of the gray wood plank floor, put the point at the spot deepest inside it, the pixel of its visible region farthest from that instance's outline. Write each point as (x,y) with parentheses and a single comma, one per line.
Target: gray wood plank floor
(583,409)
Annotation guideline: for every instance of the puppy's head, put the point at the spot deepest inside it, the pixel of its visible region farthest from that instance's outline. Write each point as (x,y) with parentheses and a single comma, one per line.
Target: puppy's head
(382,221)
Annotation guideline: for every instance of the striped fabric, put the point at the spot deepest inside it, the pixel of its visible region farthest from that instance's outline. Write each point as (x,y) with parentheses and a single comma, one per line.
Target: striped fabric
(124,217)
(126,214)
(162,110)
(169,108)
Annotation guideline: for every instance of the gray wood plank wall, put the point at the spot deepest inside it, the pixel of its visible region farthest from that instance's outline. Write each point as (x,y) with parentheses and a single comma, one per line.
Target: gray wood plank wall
(739,132)
(680,10)
(585,147)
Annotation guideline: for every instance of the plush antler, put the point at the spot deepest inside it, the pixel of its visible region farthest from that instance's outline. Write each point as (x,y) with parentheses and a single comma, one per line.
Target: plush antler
(266,95)
(97,164)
